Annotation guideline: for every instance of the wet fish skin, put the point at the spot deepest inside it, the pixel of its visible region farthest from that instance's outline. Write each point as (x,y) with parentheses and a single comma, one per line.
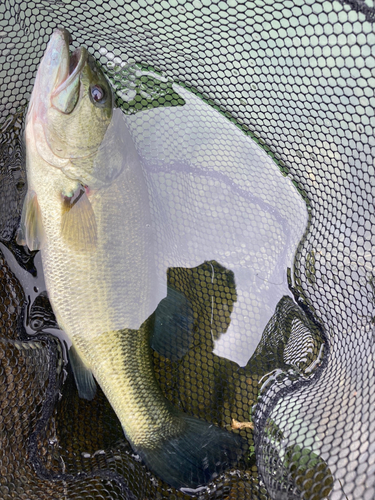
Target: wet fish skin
(87,209)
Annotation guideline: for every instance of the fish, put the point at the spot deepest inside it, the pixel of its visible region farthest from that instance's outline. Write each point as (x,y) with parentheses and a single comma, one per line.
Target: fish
(87,211)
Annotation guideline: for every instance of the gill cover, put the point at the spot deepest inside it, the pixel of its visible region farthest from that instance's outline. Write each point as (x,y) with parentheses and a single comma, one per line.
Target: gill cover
(76,123)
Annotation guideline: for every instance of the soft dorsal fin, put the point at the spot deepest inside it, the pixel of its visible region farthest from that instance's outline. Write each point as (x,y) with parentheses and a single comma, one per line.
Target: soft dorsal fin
(78,224)
(31,232)
(82,375)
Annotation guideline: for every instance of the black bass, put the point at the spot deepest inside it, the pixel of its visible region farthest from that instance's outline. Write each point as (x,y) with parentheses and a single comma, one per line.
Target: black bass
(87,209)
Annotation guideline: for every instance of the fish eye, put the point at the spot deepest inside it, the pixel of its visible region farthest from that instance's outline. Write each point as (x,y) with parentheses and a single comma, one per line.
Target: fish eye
(97,93)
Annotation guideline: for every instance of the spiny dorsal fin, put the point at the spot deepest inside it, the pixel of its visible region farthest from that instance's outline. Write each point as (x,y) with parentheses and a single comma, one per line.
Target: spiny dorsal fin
(31,232)
(78,224)
(84,378)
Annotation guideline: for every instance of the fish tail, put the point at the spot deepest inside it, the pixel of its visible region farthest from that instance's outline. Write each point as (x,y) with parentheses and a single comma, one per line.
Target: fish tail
(195,456)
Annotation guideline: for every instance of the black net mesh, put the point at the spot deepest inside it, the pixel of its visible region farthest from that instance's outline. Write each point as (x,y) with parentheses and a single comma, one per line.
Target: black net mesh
(297,78)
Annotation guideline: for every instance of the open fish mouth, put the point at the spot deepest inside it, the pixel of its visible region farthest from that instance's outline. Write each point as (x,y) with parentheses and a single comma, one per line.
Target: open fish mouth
(75,61)
(74,65)
(65,95)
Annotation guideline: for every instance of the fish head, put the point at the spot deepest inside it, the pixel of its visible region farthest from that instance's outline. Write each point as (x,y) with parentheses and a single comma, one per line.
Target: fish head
(71,105)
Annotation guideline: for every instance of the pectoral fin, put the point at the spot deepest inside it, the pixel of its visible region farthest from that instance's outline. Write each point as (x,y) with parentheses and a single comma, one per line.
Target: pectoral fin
(31,232)
(82,375)
(173,328)
(78,224)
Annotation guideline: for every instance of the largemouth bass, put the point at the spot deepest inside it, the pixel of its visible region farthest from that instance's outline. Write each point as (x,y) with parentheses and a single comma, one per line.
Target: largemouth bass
(87,209)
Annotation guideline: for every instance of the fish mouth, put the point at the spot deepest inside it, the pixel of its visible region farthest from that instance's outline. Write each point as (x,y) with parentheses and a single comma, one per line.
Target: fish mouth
(67,85)
(73,66)
(74,61)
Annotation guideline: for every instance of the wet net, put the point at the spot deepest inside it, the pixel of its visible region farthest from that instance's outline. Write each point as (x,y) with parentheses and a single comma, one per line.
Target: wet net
(254,124)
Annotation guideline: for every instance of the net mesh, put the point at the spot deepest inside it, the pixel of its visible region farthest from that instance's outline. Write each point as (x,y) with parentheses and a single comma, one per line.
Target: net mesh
(297,78)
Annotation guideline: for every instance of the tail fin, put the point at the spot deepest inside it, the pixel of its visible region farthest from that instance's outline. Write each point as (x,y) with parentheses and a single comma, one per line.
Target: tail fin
(195,456)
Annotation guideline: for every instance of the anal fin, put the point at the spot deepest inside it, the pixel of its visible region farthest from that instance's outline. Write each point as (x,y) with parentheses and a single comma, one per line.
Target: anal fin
(84,378)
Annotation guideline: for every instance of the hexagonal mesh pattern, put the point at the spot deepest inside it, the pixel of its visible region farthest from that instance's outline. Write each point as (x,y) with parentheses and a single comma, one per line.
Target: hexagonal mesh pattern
(297,78)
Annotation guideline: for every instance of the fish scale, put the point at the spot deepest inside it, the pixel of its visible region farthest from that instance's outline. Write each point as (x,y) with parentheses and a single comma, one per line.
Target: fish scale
(130,360)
